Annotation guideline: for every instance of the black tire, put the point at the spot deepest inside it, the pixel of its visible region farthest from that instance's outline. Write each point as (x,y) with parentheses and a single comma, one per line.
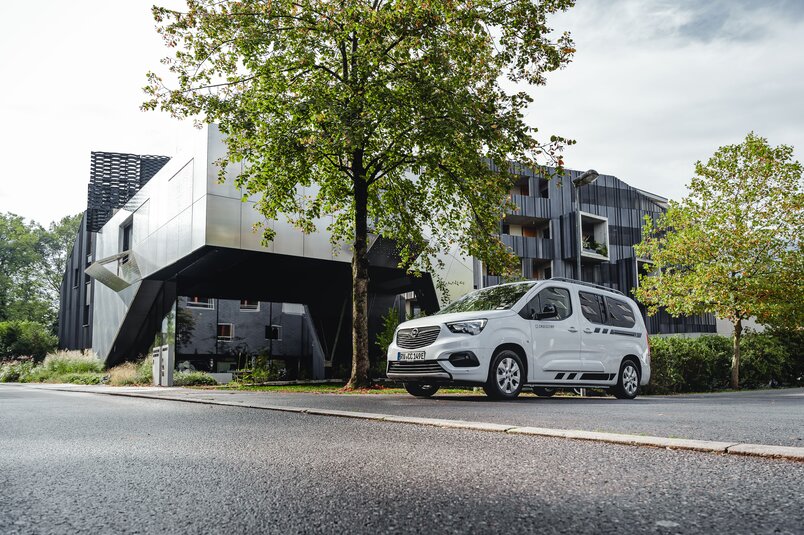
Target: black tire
(627,380)
(544,392)
(506,376)
(421,390)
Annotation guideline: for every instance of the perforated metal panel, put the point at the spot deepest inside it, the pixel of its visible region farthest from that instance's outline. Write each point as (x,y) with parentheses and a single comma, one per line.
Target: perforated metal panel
(113,179)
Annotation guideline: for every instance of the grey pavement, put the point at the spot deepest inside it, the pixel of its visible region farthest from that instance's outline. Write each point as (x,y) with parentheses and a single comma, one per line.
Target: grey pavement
(84,463)
(774,417)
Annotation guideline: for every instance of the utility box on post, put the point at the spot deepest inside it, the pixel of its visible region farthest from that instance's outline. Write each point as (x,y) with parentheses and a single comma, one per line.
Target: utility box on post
(163,366)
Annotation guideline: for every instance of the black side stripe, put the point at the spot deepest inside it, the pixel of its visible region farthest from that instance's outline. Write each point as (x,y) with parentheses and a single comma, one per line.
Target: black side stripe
(571,376)
(626,333)
(559,376)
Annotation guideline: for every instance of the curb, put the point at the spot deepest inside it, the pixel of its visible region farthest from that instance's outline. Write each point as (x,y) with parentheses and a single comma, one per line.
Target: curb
(788,453)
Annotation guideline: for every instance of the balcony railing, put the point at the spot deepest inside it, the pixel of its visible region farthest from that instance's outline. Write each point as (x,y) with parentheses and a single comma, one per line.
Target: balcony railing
(538,207)
(525,247)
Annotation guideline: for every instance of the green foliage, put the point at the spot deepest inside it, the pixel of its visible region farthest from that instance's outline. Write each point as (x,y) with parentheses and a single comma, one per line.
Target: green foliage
(25,338)
(390,321)
(32,262)
(688,364)
(732,247)
(703,363)
(193,379)
(16,371)
(764,361)
(67,362)
(87,378)
(354,95)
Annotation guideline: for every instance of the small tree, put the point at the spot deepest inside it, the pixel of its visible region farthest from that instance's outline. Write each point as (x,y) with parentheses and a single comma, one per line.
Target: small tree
(732,247)
(393,108)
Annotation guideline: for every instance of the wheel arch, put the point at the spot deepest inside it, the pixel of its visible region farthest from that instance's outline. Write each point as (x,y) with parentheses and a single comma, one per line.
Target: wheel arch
(635,360)
(516,348)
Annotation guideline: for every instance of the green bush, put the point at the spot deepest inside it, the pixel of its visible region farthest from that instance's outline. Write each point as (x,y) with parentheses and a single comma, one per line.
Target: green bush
(87,378)
(25,339)
(132,373)
(16,371)
(763,361)
(689,364)
(193,379)
(67,362)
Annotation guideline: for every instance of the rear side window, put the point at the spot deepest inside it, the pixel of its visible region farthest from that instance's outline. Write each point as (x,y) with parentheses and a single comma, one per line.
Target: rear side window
(592,307)
(620,313)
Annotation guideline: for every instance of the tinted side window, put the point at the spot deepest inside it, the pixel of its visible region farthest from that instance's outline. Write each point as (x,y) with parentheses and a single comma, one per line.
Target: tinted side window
(558,297)
(620,313)
(591,307)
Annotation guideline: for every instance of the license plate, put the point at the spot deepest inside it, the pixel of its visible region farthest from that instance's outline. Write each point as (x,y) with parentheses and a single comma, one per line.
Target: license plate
(410,355)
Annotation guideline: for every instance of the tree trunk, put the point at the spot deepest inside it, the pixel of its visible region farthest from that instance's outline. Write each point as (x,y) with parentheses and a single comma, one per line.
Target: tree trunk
(735,357)
(360,361)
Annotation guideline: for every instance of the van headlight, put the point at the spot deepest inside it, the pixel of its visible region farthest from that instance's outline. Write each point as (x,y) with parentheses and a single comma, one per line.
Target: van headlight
(467,327)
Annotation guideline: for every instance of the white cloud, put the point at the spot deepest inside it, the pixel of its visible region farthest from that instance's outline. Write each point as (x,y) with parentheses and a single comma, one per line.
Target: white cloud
(656,85)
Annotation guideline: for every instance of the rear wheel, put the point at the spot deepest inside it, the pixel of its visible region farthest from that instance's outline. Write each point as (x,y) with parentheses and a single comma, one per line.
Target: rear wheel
(505,376)
(627,381)
(544,392)
(421,390)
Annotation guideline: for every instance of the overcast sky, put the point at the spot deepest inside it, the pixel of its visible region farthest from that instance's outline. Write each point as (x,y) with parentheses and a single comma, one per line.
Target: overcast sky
(655,86)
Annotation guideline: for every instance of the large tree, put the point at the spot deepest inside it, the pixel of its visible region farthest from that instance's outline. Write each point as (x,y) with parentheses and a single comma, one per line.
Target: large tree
(32,262)
(732,247)
(394,108)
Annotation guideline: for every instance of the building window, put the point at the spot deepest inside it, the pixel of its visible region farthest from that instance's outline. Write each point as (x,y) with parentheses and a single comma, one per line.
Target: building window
(75,278)
(86,315)
(247,305)
(126,229)
(225,332)
(273,332)
(200,302)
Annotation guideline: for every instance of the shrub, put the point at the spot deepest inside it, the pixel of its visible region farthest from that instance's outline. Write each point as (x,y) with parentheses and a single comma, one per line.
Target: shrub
(25,338)
(66,362)
(16,371)
(145,371)
(87,378)
(763,361)
(124,374)
(193,379)
(689,364)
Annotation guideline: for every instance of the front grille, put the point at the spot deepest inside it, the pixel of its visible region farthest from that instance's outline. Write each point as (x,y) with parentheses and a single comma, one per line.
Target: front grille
(424,336)
(425,366)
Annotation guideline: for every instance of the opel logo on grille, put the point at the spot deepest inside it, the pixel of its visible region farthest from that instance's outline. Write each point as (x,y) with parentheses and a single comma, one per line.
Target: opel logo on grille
(414,332)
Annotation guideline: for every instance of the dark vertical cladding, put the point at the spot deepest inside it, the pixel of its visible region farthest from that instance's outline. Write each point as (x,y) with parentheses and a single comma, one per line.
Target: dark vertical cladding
(114,178)
(543,233)
(75,305)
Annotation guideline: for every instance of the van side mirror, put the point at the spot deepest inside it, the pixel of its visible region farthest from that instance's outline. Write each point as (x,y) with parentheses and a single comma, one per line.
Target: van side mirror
(549,311)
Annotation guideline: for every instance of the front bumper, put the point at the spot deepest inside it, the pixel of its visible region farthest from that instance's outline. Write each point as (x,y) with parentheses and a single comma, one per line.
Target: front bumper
(436,365)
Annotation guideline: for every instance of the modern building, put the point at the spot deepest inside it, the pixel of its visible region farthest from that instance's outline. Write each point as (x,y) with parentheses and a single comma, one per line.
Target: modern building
(160,249)
(544,233)
(167,257)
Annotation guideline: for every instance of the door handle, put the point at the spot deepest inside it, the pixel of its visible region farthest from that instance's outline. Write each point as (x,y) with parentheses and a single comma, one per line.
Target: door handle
(572,330)
(587,330)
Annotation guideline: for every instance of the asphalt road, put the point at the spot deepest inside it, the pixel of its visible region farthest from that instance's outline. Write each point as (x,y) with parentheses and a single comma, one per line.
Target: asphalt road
(87,463)
(774,417)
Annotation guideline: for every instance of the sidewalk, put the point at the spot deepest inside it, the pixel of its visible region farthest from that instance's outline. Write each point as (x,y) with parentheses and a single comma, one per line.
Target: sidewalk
(599,419)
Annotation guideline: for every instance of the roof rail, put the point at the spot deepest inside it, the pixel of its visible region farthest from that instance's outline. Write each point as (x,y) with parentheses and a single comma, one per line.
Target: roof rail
(590,284)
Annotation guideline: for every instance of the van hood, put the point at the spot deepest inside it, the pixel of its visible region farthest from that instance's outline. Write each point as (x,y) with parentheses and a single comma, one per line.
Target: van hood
(456,316)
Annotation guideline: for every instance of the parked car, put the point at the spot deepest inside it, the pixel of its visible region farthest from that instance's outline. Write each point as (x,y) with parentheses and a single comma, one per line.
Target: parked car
(547,335)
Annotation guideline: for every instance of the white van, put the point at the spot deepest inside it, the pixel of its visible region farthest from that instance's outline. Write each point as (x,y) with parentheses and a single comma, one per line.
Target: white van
(558,333)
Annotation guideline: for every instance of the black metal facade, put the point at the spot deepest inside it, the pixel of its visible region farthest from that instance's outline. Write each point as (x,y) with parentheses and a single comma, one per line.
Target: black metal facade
(546,213)
(75,304)
(113,179)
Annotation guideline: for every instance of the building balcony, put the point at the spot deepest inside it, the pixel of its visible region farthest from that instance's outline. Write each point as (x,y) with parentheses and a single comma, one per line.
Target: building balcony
(594,238)
(525,247)
(535,207)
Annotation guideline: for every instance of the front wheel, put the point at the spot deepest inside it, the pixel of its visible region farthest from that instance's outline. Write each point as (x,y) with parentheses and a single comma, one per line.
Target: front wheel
(627,381)
(505,376)
(421,390)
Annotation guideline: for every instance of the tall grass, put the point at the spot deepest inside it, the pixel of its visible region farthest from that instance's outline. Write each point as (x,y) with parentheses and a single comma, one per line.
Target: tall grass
(132,373)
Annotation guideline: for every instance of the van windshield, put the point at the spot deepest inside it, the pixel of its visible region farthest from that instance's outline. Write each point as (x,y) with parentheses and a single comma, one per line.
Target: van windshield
(493,298)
